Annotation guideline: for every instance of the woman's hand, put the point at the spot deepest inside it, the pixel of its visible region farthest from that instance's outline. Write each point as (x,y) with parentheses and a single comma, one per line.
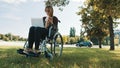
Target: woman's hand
(49,22)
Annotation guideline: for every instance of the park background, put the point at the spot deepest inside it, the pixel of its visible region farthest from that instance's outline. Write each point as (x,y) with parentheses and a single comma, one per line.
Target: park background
(15,16)
(15,19)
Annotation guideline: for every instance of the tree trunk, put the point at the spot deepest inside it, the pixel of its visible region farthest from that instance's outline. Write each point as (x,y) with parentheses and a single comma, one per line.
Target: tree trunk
(111,33)
(99,43)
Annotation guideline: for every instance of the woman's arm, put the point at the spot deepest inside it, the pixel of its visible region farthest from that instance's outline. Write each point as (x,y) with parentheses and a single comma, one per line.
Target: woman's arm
(49,21)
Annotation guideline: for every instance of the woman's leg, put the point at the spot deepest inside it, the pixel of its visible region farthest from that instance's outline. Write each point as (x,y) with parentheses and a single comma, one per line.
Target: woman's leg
(31,37)
(37,37)
(40,34)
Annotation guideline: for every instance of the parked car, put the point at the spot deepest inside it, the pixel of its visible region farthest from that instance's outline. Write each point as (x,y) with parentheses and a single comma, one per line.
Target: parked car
(84,43)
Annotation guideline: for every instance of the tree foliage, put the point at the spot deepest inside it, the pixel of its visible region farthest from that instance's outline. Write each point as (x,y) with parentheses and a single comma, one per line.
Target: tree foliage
(72,32)
(10,37)
(57,3)
(98,15)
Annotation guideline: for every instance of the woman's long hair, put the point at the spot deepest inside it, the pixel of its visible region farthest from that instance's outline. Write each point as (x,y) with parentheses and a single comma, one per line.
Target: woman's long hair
(49,9)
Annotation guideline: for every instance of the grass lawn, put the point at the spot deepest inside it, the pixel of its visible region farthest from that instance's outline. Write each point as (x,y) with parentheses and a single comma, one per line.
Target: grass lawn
(71,58)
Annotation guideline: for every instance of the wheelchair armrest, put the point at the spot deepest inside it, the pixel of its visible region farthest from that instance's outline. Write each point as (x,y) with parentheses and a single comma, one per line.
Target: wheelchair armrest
(52,31)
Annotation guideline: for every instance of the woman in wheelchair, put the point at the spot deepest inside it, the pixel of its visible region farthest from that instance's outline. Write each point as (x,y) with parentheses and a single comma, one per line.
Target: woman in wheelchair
(37,33)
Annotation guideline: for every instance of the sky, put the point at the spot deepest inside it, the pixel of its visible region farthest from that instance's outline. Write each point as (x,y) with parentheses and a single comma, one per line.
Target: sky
(15,16)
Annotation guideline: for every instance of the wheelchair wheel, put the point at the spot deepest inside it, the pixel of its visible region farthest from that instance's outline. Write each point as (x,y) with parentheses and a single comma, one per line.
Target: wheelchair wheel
(58,45)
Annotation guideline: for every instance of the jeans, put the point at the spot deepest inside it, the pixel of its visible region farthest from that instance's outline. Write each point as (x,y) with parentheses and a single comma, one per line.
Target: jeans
(35,35)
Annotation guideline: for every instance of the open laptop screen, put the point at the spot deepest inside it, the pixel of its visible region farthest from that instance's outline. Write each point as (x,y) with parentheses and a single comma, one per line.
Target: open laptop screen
(37,22)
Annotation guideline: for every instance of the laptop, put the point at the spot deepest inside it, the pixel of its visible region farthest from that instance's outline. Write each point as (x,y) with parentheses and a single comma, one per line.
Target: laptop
(37,22)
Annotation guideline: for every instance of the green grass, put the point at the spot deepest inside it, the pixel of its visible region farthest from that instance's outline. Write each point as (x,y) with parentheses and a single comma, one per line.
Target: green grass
(71,58)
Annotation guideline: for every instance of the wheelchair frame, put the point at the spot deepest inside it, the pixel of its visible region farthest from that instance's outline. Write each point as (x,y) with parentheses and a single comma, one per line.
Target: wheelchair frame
(55,49)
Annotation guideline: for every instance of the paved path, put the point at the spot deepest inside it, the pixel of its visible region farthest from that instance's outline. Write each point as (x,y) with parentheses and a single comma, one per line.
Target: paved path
(18,43)
(10,43)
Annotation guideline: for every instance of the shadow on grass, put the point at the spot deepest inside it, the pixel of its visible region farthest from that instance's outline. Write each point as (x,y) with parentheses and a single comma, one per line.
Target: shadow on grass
(71,58)
(9,58)
(87,58)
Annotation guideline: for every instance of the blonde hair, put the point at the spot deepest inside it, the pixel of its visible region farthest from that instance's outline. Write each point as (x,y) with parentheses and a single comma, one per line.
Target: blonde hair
(49,9)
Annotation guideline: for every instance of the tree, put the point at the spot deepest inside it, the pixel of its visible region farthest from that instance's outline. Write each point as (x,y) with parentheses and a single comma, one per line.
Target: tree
(92,22)
(0,36)
(9,35)
(110,9)
(99,34)
(65,39)
(72,32)
(58,3)
(72,40)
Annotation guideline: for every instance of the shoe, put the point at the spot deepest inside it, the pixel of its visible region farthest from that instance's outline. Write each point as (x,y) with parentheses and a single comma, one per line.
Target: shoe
(27,50)
(37,51)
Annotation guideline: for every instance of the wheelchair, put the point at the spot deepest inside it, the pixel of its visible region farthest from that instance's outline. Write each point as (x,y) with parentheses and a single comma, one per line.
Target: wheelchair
(55,42)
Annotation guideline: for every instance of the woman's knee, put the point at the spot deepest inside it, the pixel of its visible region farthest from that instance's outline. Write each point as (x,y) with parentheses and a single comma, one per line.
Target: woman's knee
(32,28)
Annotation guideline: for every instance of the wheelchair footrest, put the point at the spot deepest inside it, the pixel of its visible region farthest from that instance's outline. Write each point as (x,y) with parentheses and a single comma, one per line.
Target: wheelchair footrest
(30,54)
(20,51)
